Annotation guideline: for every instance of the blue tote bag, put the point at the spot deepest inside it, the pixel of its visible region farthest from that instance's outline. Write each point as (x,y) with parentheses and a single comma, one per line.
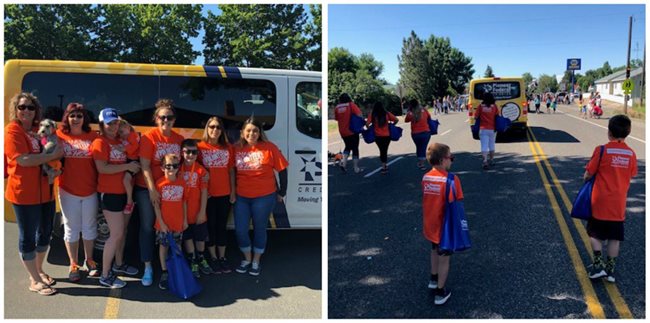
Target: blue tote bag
(455,231)
(476,126)
(369,134)
(433,126)
(502,124)
(582,204)
(356,123)
(181,281)
(394,131)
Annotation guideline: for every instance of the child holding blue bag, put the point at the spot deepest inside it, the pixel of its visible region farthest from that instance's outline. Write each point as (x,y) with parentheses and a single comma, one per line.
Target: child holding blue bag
(433,209)
(613,171)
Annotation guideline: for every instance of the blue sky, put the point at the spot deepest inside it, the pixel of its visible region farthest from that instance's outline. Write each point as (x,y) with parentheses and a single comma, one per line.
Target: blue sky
(512,39)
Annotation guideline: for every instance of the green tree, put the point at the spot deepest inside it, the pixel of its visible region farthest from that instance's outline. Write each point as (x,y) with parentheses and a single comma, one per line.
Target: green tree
(415,70)
(367,62)
(341,60)
(547,83)
(461,70)
(314,32)
(488,72)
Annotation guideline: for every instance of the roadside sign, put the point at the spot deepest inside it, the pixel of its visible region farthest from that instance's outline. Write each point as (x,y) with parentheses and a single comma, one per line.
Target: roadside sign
(573,64)
(628,86)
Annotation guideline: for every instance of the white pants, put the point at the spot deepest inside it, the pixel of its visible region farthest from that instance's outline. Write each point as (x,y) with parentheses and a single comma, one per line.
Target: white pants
(79,216)
(488,138)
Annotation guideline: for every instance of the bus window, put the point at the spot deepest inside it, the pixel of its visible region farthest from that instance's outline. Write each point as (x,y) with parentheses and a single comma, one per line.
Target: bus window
(500,90)
(308,113)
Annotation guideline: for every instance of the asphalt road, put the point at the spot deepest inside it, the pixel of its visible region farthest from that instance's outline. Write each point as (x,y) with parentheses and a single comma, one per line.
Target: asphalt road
(521,264)
(289,286)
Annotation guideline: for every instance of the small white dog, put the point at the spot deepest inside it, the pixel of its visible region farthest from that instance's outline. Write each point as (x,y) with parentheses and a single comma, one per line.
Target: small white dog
(47,133)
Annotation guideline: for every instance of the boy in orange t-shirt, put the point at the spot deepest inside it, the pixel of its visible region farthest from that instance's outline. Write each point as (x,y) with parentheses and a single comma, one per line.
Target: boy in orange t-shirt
(613,171)
(171,213)
(433,209)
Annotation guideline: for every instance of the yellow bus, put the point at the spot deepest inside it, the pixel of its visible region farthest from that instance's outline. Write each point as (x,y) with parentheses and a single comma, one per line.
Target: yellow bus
(509,96)
(285,101)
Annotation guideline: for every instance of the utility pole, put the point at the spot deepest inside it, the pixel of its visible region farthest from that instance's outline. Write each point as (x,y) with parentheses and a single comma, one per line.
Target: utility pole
(643,78)
(627,68)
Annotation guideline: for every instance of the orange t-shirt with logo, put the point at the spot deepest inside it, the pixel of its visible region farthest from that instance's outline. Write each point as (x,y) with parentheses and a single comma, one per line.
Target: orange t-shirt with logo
(154,146)
(616,169)
(487,115)
(342,114)
(255,165)
(25,185)
(195,180)
(381,131)
(132,145)
(109,150)
(433,202)
(79,175)
(218,161)
(172,197)
(422,125)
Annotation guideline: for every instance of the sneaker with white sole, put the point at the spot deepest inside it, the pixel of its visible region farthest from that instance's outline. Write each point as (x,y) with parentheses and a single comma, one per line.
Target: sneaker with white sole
(147,278)
(433,284)
(163,284)
(92,268)
(243,267)
(442,295)
(112,281)
(125,269)
(597,269)
(255,269)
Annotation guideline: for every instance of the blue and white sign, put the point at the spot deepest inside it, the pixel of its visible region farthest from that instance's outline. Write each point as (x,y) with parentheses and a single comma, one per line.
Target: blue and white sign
(573,64)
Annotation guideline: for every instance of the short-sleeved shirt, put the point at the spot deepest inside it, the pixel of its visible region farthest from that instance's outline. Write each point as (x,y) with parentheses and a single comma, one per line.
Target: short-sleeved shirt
(132,145)
(381,131)
(79,175)
(195,180)
(172,197)
(218,161)
(109,150)
(616,169)
(255,165)
(422,125)
(342,114)
(25,185)
(487,115)
(154,146)
(433,202)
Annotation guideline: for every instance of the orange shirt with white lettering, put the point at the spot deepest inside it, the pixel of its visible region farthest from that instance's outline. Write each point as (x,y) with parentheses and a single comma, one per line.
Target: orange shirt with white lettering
(422,125)
(109,150)
(154,146)
(79,175)
(25,185)
(342,114)
(132,145)
(218,161)
(172,198)
(433,203)
(487,115)
(381,131)
(255,165)
(617,167)
(195,180)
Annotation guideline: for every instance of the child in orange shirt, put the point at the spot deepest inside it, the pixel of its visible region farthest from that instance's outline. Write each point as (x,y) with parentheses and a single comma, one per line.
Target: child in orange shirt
(196,184)
(434,185)
(131,145)
(613,171)
(171,212)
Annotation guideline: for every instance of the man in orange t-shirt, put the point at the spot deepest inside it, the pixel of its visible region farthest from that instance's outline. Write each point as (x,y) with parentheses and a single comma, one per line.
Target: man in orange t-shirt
(433,209)
(342,113)
(613,171)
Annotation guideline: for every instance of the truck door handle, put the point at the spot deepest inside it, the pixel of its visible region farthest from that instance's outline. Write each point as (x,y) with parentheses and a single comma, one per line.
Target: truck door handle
(305,152)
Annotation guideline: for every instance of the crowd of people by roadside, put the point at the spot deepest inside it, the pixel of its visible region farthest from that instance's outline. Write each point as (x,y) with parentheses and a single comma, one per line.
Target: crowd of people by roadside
(175,184)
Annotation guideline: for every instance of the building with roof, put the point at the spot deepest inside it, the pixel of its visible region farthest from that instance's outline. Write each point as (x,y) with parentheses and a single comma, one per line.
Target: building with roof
(611,86)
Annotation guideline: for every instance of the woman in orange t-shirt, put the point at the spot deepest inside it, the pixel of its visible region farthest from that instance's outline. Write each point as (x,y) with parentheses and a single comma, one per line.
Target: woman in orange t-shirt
(256,159)
(218,157)
(78,189)
(111,164)
(154,145)
(487,113)
(28,190)
(379,117)
(420,132)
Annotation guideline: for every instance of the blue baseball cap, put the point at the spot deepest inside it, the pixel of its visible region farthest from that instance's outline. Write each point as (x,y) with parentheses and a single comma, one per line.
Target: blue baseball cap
(107,115)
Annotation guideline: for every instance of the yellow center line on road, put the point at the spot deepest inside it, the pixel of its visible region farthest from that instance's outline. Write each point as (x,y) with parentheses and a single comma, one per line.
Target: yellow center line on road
(593,304)
(614,294)
(113,304)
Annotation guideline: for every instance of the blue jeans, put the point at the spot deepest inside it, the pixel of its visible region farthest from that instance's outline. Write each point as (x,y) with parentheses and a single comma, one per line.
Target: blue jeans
(147,235)
(259,209)
(34,228)
(421,141)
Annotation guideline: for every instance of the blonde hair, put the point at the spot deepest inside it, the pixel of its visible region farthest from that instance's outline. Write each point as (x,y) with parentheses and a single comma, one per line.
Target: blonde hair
(171,158)
(222,139)
(436,152)
(13,107)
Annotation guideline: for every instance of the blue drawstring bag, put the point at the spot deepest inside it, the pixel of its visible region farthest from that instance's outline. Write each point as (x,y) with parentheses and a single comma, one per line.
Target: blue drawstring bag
(502,124)
(181,281)
(356,123)
(369,134)
(476,126)
(582,204)
(455,231)
(394,131)
(433,126)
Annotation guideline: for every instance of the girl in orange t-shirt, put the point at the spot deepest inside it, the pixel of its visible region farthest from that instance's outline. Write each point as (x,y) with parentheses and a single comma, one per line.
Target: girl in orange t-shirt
(28,190)
(131,146)
(78,189)
(342,113)
(256,159)
(487,113)
(218,157)
(379,117)
(420,132)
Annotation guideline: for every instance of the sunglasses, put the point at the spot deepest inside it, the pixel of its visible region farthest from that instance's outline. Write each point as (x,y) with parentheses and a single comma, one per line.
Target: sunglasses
(171,166)
(22,107)
(76,116)
(167,118)
(450,158)
(190,151)
(214,127)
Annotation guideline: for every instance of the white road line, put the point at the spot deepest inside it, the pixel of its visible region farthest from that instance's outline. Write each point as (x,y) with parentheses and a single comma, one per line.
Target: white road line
(378,169)
(595,124)
(446,132)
